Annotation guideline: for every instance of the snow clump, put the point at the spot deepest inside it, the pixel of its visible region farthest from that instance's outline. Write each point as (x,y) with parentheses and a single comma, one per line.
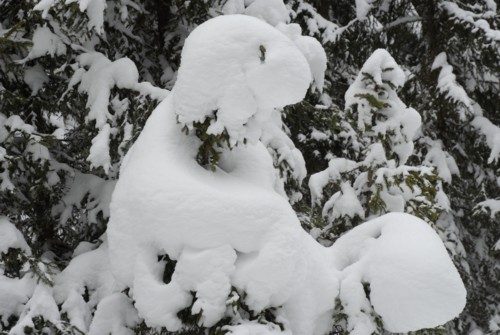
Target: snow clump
(237,77)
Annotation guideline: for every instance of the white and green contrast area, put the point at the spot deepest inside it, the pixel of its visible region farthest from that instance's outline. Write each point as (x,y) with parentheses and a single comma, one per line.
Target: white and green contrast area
(249,167)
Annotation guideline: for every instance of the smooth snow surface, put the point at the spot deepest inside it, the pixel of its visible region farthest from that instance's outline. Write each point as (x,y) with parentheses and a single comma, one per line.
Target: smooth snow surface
(271,11)
(311,49)
(413,282)
(231,228)
(242,73)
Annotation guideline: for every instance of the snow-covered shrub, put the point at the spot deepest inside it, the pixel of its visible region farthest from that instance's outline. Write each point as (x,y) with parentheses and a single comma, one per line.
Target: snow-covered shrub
(218,247)
(372,178)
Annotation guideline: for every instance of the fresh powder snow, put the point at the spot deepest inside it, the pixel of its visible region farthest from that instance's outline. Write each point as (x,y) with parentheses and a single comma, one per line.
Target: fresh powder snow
(231,228)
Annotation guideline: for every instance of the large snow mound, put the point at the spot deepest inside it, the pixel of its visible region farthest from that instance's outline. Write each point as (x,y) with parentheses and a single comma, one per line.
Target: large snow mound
(230,228)
(227,228)
(413,282)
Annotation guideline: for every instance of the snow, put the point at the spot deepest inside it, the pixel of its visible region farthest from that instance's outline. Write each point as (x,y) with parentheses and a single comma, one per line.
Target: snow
(93,8)
(16,123)
(99,151)
(37,151)
(231,227)
(233,7)
(95,12)
(79,314)
(413,282)
(102,75)
(44,6)
(311,49)
(114,315)
(244,182)
(363,7)
(245,57)
(6,182)
(318,181)
(91,271)
(212,283)
(469,17)
(40,304)
(400,121)
(35,77)
(97,82)
(343,203)
(318,25)
(271,11)
(491,206)
(95,190)
(15,292)
(442,160)
(156,183)
(45,42)
(11,237)
(255,328)
(282,150)
(492,134)
(448,85)
(400,124)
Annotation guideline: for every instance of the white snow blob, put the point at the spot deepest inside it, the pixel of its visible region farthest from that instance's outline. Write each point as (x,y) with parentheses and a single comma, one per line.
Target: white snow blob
(229,227)
(242,72)
(413,282)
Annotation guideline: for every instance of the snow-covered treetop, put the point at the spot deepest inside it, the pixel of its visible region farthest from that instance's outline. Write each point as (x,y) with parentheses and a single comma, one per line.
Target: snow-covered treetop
(373,96)
(236,76)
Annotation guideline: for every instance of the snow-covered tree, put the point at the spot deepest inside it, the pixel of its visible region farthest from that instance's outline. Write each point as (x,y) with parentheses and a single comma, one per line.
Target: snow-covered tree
(449,51)
(215,245)
(372,176)
(78,79)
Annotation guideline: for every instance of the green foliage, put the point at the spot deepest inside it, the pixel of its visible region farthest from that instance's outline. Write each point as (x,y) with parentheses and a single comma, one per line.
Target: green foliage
(372,100)
(16,263)
(211,144)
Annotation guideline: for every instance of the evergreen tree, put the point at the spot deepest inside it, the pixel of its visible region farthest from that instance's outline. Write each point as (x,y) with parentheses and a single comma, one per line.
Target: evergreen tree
(79,79)
(449,50)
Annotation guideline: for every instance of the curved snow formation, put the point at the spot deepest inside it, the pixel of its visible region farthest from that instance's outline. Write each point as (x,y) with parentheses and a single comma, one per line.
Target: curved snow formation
(230,228)
(241,67)
(412,281)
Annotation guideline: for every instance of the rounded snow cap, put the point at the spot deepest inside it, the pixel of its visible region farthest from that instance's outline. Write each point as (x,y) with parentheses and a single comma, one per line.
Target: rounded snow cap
(234,70)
